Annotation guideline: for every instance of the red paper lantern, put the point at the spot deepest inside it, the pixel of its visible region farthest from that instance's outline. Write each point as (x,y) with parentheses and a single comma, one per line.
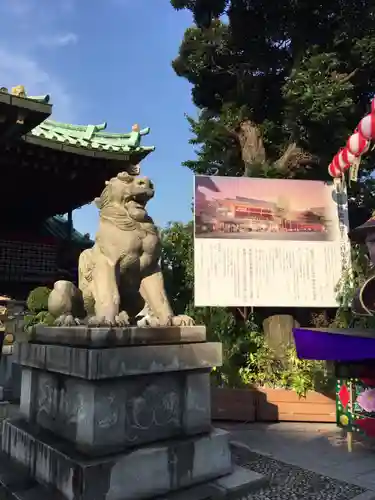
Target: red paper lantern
(340,162)
(334,171)
(347,157)
(366,127)
(357,144)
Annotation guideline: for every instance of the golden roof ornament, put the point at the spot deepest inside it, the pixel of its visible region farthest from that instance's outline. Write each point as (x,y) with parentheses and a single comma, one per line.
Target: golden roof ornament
(19,91)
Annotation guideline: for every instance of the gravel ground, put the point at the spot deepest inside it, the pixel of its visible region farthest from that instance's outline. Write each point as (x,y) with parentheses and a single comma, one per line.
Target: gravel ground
(288,482)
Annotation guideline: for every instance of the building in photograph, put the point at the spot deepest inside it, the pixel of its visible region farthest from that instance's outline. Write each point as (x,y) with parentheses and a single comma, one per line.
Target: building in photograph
(242,214)
(49,169)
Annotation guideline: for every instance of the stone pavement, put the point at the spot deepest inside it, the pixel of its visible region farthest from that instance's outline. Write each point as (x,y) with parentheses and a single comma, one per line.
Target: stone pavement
(319,448)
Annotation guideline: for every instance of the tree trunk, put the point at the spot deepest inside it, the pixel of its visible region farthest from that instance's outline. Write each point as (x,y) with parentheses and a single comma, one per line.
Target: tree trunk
(278,332)
(251,142)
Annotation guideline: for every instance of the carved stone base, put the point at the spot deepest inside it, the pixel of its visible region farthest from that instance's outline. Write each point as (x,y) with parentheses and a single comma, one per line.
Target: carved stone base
(146,472)
(119,362)
(106,416)
(120,414)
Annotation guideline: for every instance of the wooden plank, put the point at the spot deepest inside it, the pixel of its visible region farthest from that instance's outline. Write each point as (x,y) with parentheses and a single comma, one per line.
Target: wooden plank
(283,395)
(270,405)
(307,408)
(270,416)
(233,404)
(329,419)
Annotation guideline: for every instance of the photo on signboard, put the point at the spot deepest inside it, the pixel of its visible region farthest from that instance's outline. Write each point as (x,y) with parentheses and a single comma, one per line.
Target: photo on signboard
(263,209)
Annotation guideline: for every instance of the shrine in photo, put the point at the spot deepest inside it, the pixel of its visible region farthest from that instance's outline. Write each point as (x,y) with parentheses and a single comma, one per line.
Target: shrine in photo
(50,169)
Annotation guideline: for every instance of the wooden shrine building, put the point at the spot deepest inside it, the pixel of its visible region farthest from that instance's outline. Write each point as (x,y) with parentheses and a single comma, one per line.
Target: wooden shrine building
(49,169)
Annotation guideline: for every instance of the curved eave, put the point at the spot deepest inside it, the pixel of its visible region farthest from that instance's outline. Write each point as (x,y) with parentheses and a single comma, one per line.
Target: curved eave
(139,153)
(20,115)
(32,104)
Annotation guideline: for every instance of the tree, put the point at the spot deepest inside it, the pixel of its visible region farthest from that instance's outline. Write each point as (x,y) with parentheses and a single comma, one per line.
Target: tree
(178,270)
(177,264)
(279,87)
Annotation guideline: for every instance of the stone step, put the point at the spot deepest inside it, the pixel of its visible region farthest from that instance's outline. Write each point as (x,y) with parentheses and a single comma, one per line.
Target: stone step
(144,473)
(119,362)
(17,484)
(237,485)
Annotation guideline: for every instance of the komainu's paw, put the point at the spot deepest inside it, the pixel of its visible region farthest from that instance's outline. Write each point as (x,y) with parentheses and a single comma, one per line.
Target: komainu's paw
(67,320)
(154,322)
(122,319)
(101,321)
(182,320)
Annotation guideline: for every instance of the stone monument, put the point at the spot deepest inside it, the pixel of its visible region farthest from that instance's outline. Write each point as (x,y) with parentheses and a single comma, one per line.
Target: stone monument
(110,410)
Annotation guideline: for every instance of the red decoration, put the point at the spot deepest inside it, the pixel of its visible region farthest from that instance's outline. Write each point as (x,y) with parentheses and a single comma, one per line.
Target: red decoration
(347,157)
(357,144)
(366,126)
(340,162)
(367,425)
(334,171)
(344,396)
(368,381)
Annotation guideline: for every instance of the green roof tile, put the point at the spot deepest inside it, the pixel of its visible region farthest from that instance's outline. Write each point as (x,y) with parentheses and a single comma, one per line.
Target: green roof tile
(58,227)
(92,137)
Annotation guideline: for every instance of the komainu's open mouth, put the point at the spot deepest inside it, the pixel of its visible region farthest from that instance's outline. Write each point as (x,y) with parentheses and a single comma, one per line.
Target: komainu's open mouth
(140,199)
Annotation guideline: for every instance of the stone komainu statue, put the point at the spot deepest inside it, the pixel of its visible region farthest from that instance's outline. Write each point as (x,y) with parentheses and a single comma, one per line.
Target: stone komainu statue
(121,272)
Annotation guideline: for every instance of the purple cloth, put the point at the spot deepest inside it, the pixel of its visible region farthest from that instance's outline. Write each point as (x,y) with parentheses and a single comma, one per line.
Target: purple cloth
(332,346)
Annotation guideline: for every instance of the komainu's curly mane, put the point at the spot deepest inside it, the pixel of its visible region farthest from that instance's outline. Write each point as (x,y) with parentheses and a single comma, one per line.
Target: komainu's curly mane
(114,212)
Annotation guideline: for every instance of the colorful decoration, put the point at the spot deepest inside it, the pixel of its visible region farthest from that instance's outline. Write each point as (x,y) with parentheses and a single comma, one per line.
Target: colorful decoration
(344,420)
(366,126)
(366,425)
(357,145)
(366,400)
(334,171)
(347,157)
(339,162)
(344,395)
(355,405)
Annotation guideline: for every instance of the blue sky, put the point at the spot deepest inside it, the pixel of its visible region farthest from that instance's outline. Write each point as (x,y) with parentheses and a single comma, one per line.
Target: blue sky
(108,60)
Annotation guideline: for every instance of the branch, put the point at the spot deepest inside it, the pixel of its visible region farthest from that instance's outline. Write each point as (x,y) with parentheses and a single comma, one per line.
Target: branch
(344,77)
(293,157)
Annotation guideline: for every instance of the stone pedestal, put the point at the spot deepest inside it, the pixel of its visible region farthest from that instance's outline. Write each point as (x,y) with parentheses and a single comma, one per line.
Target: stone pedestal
(10,376)
(120,414)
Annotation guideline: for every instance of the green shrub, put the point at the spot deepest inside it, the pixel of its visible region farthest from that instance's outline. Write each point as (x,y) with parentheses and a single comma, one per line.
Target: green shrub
(265,369)
(37,300)
(41,318)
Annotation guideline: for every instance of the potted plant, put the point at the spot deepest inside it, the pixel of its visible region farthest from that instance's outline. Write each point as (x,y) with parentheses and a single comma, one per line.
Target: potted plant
(259,386)
(291,389)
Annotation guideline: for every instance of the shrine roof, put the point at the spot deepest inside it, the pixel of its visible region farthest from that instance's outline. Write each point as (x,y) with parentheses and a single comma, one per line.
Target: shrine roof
(90,138)
(58,227)
(20,113)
